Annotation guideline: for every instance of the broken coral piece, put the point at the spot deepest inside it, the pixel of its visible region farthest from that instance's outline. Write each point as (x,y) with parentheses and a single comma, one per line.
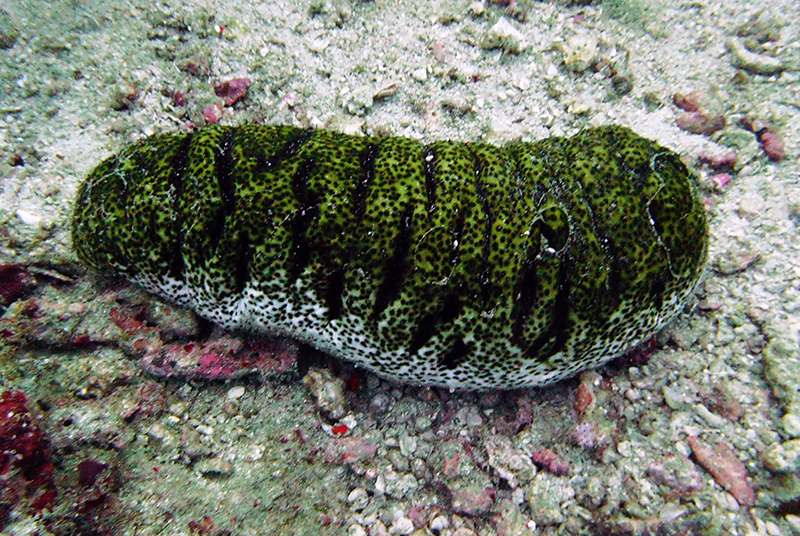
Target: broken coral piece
(728,471)
(223,358)
(688,103)
(701,122)
(718,162)
(771,143)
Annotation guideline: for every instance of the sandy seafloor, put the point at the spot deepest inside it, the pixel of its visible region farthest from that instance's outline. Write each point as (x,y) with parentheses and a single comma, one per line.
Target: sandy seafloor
(672,444)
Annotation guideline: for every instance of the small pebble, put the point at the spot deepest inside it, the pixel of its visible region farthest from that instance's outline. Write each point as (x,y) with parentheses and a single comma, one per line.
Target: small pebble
(205,429)
(232,90)
(622,84)
(477,8)
(408,445)
(711,418)
(420,75)
(328,393)
(358,499)
(378,529)
(473,419)
(356,530)
(718,161)
(161,436)
(772,145)
(381,403)
(123,96)
(784,458)
(791,424)
(402,526)
(580,52)
(794,522)
(439,523)
(214,468)
(235,392)
(504,35)
(671,512)
(28,218)
(673,398)
(317,45)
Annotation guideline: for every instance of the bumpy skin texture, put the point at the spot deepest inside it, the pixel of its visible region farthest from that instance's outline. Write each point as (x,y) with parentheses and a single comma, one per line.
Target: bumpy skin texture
(453,264)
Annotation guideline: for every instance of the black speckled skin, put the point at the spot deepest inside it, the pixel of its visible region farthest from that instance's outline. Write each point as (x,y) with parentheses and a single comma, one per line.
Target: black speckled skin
(461,265)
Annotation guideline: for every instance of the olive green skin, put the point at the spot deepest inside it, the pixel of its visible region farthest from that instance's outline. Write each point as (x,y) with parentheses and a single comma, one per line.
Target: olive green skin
(462,265)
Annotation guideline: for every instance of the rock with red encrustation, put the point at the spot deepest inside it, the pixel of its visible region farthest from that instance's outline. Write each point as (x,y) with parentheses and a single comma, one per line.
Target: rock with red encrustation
(232,90)
(26,465)
(15,282)
(220,358)
(137,324)
(54,320)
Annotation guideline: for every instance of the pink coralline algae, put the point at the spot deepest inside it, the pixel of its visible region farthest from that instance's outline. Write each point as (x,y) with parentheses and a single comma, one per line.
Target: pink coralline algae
(25,461)
(220,359)
(585,436)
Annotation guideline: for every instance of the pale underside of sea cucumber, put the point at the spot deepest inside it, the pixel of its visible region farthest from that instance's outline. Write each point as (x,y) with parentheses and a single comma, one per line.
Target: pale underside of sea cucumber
(462,265)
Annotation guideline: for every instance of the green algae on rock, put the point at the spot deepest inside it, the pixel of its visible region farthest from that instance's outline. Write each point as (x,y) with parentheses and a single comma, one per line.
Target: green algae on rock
(462,265)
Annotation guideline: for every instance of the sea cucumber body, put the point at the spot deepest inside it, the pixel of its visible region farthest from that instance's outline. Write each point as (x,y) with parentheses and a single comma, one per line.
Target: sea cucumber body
(455,264)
